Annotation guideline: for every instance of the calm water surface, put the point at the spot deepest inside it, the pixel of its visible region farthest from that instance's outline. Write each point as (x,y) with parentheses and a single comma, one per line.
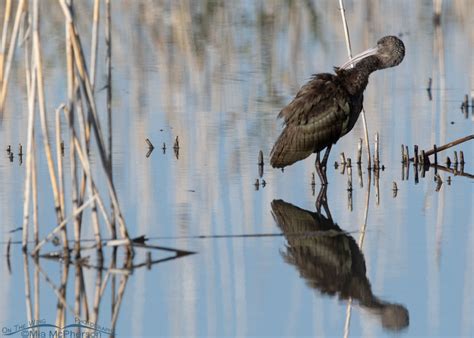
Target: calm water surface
(216,74)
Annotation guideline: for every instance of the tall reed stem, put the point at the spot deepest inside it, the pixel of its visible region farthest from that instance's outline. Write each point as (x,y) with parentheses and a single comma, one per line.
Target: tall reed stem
(349,53)
(11,50)
(44,125)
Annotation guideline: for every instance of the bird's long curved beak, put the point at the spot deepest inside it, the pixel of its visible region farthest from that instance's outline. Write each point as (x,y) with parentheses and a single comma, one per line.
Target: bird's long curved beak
(358,57)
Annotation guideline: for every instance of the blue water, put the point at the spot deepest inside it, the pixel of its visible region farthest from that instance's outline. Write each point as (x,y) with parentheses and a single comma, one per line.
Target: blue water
(216,74)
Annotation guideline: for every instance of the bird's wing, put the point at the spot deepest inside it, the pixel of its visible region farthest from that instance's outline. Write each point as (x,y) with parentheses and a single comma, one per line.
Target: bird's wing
(317,117)
(319,99)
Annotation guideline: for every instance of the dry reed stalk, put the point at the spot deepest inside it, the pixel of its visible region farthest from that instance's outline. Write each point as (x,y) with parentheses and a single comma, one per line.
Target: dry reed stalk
(377,188)
(11,50)
(108,274)
(34,186)
(80,293)
(59,291)
(116,307)
(447,146)
(77,293)
(85,81)
(61,226)
(86,87)
(83,291)
(97,296)
(26,272)
(108,63)
(28,68)
(3,43)
(59,156)
(69,113)
(62,305)
(36,289)
(75,143)
(31,81)
(376,152)
(95,33)
(44,126)
(349,53)
(29,142)
(92,188)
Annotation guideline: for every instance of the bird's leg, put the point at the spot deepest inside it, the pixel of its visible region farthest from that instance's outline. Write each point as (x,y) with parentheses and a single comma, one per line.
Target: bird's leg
(322,166)
(325,157)
(320,171)
(322,200)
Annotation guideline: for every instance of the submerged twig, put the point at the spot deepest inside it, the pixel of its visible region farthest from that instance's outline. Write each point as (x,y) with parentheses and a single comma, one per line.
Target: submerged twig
(447,146)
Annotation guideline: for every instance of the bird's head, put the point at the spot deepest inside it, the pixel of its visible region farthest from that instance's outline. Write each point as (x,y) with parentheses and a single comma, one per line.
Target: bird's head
(389,50)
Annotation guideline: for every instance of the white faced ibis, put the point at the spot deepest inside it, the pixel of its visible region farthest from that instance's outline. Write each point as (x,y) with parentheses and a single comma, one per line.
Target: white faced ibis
(328,106)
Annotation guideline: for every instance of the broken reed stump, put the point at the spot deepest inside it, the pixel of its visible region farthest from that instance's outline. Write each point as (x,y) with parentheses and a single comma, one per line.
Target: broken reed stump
(415,154)
(448,162)
(343,159)
(415,167)
(472,103)
(376,152)
(260,163)
(349,185)
(349,176)
(257,184)
(260,171)
(260,158)
(428,89)
(176,147)
(438,181)
(359,152)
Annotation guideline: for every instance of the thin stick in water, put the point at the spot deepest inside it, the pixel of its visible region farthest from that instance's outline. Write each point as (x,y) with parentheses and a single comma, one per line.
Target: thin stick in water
(349,53)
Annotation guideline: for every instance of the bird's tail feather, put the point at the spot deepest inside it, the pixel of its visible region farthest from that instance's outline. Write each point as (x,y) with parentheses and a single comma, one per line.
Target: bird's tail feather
(287,151)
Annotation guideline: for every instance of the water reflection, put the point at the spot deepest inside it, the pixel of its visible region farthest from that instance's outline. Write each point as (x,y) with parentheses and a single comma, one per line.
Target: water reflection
(78,314)
(330,260)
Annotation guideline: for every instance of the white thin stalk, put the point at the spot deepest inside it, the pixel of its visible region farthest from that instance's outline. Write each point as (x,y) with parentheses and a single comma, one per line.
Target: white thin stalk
(29,133)
(349,53)
(11,50)
(43,120)
(3,45)
(94,43)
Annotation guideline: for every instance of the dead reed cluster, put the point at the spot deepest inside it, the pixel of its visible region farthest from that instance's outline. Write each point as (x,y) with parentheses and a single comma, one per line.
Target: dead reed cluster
(20,30)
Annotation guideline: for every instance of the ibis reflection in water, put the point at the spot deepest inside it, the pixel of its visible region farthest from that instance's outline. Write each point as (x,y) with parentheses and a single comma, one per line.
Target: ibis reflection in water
(330,261)
(328,106)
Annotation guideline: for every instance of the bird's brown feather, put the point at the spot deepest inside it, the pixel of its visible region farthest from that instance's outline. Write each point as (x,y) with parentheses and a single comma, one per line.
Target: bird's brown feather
(317,116)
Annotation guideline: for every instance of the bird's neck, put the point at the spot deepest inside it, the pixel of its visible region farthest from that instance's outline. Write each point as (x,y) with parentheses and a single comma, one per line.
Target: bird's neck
(355,79)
